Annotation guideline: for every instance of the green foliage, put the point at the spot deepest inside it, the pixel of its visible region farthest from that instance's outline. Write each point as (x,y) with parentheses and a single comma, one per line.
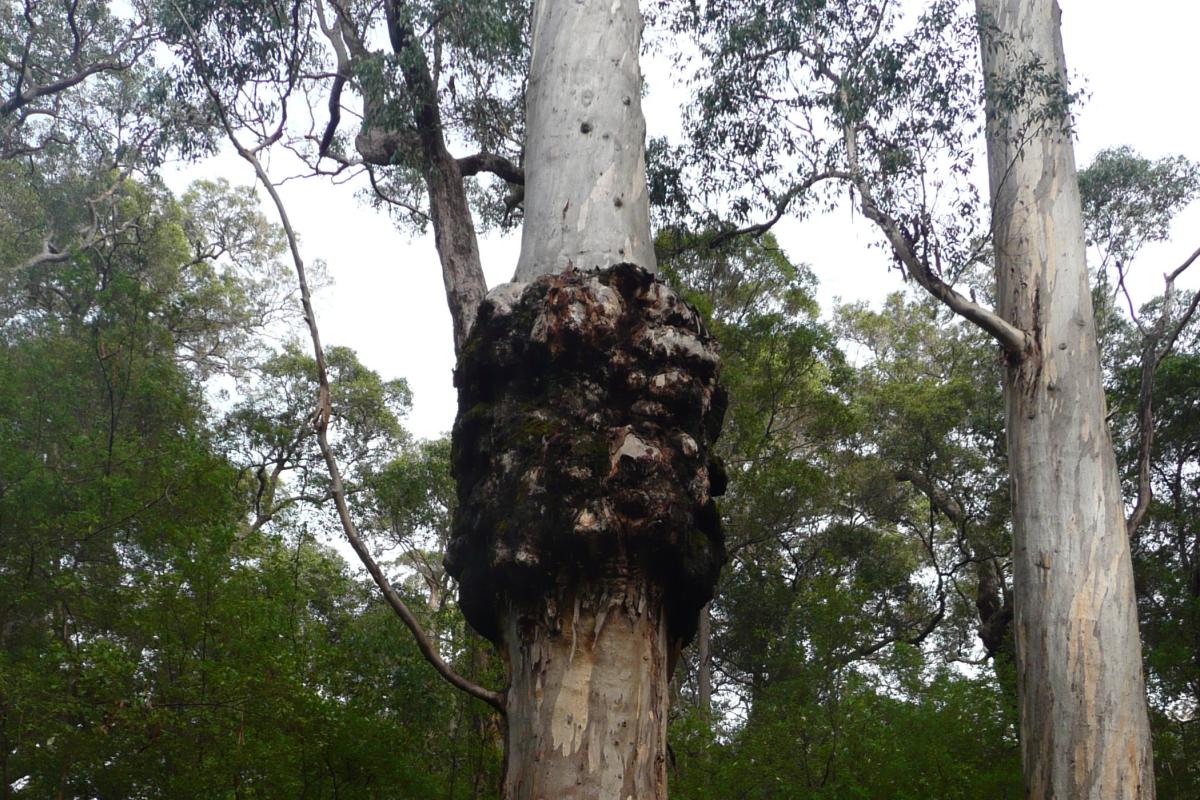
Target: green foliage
(152,642)
(781,83)
(846,735)
(836,562)
(1130,201)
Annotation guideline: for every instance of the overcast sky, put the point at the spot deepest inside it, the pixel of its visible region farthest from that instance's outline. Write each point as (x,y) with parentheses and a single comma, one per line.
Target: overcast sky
(387,300)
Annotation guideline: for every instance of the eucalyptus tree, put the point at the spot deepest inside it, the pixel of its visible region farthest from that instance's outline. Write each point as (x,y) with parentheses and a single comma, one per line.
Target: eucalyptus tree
(586,540)
(842,95)
(385,90)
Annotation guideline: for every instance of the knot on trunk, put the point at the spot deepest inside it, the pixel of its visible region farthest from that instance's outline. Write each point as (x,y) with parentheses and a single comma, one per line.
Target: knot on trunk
(588,406)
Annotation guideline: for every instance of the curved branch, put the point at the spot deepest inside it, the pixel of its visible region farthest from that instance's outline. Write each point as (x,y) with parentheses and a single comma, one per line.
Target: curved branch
(781,207)
(335,114)
(499,166)
(320,417)
(54,87)
(1016,342)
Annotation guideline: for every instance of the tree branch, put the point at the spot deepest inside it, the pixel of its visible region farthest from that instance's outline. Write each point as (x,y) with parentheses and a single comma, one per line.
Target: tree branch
(938,496)
(497,165)
(320,416)
(1152,356)
(1016,343)
(781,207)
(24,96)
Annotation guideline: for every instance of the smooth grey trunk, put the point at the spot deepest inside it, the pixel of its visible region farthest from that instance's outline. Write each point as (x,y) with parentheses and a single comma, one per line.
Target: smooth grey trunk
(586,203)
(1084,727)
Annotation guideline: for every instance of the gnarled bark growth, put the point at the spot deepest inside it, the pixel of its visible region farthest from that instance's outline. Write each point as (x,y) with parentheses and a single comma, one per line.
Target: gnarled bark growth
(587,539)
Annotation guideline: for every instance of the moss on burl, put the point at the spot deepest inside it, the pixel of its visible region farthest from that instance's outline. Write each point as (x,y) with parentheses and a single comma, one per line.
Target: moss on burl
(589,403)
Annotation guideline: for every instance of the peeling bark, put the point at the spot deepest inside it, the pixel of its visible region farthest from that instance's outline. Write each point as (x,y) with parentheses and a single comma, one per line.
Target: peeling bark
(588,702)
(1084,726)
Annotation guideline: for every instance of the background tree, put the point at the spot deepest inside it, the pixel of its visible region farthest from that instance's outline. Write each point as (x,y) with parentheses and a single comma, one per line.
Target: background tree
(884,114)
(828,607)
(1130,201)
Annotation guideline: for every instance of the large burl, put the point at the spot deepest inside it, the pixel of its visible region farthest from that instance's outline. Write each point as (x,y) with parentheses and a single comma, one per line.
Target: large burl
(587,540)
(588,406)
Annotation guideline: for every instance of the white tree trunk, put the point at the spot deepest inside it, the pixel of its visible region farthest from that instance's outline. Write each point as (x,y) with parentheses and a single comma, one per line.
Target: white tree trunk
(587,708)
(585,156)
(1084,727)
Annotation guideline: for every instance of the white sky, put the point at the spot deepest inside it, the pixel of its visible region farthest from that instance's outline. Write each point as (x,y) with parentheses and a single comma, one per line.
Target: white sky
(387,301)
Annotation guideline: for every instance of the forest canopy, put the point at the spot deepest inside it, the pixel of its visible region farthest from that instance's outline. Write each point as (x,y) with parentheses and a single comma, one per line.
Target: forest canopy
(180,612)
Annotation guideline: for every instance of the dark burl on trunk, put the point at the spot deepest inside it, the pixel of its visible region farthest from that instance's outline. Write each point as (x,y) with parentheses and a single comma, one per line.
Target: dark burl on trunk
(587,539)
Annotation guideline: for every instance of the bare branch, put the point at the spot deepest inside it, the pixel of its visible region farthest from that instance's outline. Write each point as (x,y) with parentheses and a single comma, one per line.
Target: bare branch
(495,164)
(1152,356)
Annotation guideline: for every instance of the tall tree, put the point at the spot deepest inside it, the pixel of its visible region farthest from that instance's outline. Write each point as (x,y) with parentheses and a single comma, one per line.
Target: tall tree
(587,540)
(889,111)
(1085,731)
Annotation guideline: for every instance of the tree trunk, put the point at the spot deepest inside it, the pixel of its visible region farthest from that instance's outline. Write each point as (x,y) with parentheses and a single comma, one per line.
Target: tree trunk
(586,203)
(588,703)
(704,661)
(449,210)
(586,539)
(1084,727)
(454,236)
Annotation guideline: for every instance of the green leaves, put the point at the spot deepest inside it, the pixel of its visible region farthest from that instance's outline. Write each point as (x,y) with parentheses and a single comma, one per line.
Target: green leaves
(1130,201)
